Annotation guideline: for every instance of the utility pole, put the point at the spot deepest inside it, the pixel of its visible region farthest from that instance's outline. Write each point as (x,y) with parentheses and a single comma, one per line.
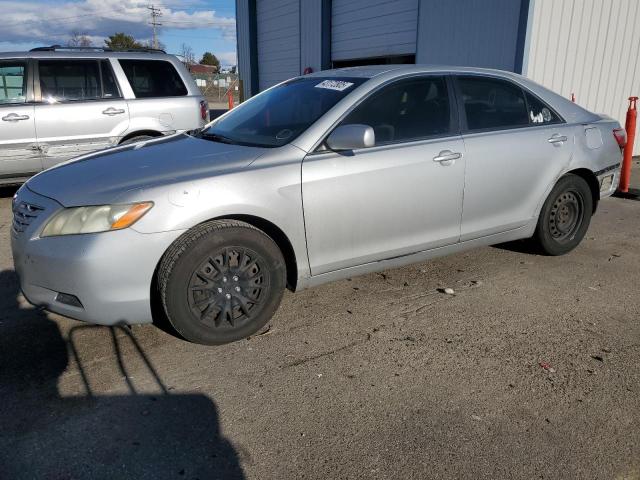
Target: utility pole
(155,14)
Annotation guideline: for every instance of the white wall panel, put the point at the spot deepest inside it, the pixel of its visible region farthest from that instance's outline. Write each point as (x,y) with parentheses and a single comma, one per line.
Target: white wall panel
(590,48)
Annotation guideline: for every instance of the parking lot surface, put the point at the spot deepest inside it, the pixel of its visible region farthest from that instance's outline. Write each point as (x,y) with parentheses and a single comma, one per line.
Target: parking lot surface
(529,370)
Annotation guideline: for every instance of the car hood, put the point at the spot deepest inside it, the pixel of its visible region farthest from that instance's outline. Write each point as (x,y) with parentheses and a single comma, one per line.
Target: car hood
(105,176)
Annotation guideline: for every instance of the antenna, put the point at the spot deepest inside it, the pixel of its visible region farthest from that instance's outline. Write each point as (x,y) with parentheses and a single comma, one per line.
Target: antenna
(155,14)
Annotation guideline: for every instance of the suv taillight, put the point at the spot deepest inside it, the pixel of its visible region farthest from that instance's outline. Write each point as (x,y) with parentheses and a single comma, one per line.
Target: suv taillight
(204,110)
(621,136)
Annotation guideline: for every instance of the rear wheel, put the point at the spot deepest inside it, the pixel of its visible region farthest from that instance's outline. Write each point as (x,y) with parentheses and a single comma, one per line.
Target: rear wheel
(221,281)
(565,216)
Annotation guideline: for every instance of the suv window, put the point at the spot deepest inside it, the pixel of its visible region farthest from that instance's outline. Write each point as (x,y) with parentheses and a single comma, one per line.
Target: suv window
(69,80)
(406,110)
(109,84)
(492,103)
(153,78)
(13,82)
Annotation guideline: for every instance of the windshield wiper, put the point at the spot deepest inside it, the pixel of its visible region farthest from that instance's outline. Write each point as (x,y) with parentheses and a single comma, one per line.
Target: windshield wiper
(216,138)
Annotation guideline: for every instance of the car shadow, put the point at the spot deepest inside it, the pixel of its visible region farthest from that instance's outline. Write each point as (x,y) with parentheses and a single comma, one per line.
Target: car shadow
(134,435)
(520,246)
(8,191)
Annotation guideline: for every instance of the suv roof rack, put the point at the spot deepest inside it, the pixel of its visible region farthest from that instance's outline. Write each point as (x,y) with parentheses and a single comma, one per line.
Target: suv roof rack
(143,50)
(54,48)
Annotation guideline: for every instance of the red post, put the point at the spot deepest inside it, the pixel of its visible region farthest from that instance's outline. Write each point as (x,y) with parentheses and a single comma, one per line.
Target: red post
(230,98)
(630,127)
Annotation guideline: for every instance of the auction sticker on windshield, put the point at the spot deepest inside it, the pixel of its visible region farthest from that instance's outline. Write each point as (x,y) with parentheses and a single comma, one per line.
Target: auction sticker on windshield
(338,85)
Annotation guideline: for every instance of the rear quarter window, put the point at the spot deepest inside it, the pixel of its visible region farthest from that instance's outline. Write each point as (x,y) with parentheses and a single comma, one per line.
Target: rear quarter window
(153,78)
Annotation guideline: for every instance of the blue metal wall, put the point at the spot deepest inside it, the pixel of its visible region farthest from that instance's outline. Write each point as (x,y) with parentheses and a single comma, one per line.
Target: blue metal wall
(278,39)
(373,28)
(479,33)
(278,36)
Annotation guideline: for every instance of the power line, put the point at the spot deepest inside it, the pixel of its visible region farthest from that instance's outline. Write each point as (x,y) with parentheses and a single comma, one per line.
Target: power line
(155,14)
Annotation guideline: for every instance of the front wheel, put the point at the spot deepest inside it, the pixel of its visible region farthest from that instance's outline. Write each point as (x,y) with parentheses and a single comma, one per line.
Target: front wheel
(221,281)
(565,216)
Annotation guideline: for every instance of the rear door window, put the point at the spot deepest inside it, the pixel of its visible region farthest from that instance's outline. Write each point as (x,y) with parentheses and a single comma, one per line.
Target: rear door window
(491,103)
(406,110)
(69,80)
(109,84)
(13,82)
(153,78)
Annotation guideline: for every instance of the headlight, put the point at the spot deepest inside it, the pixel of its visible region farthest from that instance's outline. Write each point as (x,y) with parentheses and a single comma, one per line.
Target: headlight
(103,218)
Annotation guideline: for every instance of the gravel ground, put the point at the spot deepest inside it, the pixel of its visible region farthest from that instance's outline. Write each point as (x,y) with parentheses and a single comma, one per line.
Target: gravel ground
(530,370)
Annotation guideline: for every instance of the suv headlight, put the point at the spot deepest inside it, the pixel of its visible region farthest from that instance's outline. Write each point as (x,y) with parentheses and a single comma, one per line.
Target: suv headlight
(103,218)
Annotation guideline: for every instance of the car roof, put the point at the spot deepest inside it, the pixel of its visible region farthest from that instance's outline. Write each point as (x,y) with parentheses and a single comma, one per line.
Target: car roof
(142,55)
(370,71)
(570,111)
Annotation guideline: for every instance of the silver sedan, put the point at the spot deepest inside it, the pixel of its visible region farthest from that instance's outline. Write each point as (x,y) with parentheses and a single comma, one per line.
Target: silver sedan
(319,178)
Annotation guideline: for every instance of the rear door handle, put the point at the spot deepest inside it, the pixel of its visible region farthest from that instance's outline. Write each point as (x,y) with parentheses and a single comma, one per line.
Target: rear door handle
(112,111)
(557,139)
(14,117)
(446,157)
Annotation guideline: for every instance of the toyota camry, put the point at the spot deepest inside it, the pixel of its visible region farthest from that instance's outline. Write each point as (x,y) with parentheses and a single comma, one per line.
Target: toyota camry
(319,178)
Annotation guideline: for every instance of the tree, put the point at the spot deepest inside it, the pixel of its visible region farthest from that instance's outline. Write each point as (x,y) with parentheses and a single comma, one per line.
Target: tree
(122,41)
(210,59)
(79,39)
(186,52)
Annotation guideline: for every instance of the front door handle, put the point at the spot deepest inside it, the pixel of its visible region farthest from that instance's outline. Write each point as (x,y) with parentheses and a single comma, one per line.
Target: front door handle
(14,117)
(447,157)
(557,139)
(112,111)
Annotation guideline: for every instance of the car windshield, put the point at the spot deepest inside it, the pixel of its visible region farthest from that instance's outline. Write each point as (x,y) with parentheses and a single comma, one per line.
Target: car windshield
(278,116)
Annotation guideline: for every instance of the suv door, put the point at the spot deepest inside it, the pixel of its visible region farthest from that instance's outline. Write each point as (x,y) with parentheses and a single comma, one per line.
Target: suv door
(19,154)
(398,197)
(161,99)
(516,146)
(80,108)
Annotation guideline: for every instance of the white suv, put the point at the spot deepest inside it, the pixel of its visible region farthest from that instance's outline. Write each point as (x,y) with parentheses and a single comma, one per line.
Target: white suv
(58,103)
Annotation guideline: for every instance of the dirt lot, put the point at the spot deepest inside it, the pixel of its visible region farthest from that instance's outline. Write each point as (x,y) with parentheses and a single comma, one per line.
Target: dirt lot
(379,376)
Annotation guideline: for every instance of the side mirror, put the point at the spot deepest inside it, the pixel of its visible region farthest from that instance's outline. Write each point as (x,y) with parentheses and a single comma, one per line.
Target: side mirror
(351,137)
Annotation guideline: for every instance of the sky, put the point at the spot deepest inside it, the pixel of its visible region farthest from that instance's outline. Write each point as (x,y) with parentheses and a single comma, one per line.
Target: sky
(204,25)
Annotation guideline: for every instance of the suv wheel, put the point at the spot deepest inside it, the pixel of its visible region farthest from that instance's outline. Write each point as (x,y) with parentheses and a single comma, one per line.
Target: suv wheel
(565,216)
(138,138)
(221,281)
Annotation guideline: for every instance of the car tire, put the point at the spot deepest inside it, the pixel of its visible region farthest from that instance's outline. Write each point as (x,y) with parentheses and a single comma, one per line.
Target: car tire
(136,139)
(221,281)
(565,216)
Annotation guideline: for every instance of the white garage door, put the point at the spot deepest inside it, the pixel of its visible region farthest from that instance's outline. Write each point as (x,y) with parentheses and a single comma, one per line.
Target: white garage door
(373,28)
(278,31)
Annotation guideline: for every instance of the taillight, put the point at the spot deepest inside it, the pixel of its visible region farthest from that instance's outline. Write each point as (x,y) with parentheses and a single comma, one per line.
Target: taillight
(204,110)
(621,136)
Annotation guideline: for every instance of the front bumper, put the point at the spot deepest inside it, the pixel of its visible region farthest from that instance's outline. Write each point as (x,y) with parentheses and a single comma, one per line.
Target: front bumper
(110,273)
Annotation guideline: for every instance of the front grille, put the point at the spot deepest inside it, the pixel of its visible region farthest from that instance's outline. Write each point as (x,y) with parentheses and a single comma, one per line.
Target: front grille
(23,214)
